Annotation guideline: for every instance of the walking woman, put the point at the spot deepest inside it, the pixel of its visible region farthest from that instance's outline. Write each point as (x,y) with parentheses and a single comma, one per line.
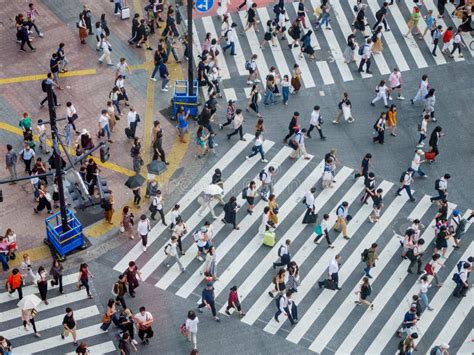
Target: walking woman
(360,21)
(380,128)
(191,325)
(110,315)
(253,100)
(42,282)
(293,277)
(413,23)
(434,140)
(270,34)
(364,291)
(81,24)
(230,212)
(306,46)
(422,89)
(377,46)
(296,78)
(295,33)
(127,222)
(430,100)
(209,268)
(28,317)
(392,120)
(285,89)
(425,285)
(201,139)
(233,302)
(258,147)
(279,283)
(56,273)
(382,92)
(349,52)
(251,194)
(83,279)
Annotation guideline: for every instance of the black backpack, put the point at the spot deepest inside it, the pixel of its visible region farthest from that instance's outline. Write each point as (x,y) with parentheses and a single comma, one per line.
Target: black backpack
(44,86)
(165,249)
(364,256)
(437,184)
(261,174)
(279,251)
(402,178)
(434,351)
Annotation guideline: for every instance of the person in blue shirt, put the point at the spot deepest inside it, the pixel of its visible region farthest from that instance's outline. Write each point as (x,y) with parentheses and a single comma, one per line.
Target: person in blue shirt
(208,300)
(182,124)
(408,321)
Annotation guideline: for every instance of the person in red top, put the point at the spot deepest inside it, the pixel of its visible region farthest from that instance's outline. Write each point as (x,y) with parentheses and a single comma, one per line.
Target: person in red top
(14,283)
(83,279)
(233,302)
(447,38)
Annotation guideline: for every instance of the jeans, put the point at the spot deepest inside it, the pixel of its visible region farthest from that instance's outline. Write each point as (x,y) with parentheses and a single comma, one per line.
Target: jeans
(4,261)
(208,127)
(269,96)
(173,51)
(155,70)
(85,283)
(230,45)
(362,62)
(435,45)
(367,270)
(422,138)
(424,299)
(420,172)
(237,130)
(441,196)
(257,149)
(114,319)
(285,92)
(324,19)
(408,190)
(118,7)
(12,170)
(106,129)
(117,106)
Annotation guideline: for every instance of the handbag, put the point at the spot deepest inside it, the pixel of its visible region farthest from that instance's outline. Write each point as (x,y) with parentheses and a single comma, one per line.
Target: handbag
(292,144)
(122,229)
(106,319)
(183,330)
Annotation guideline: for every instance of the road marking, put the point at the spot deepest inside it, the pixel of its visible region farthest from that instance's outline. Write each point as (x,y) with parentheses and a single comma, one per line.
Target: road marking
(239,56)
(197,188)
(230,94)
(26,78)
(103,348)
(209,27)
(295,230)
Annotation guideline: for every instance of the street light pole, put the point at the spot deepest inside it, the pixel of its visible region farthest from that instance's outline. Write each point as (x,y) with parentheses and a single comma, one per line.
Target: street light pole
(57,160)
(190,47)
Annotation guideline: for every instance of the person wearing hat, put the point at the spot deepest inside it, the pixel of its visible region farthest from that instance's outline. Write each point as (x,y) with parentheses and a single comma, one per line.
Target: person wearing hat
(292,127)
(441,349)
(202,242)
(208,300)
(406,180)
(416,163)
(230,37)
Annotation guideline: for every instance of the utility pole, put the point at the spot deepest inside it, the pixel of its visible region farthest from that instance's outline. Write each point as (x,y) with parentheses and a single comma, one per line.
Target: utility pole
(57,161)
(190,47)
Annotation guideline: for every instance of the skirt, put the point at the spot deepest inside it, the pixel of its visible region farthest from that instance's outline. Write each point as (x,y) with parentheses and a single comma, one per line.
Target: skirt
(348,54)
(296,83)
(378,46)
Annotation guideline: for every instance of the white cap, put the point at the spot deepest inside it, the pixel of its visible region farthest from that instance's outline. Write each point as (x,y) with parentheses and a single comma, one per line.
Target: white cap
(444,346)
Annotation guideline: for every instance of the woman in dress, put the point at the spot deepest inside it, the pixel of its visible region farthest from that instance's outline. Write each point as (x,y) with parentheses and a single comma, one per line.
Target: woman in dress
(251,193)
(270,34)
(253,100)
(306,46)
(413,23)
(81,24)
(349,52)
(127,222)
(296,78)
(377,47)
(380,129)
(230,212)
(392,120)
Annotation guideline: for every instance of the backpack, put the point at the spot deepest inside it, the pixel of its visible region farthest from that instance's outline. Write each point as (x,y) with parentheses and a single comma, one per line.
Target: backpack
(435,350)
(248,64)
(437,184)
(361,50)
(280,254)
(225,34)
(364,256)
(44,86)
(457,278)
(166,248)
(115,289)
(402,178)
(320,120)
(375,125)
(261,174)
(244,193)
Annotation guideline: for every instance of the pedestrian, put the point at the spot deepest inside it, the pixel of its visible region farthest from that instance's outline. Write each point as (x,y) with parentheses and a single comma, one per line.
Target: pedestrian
(364,291)
(381,16)
(250,194)
(366,53)
(105,48)
(430,100)
(430,268)
(458,225)
(377,46)
(83,279)
(251,67)
(44,201)
(395,83)
(230,212)
(143,228)
(27,269)
(413,23)
(415,254)
(202,242)
(237,124)
(254,97)
(191,328)
(5,346)
(233,302)
(71,115)
(377,206)
(392,120)
(56,273)
(82,349)
(369,188)
(15,283)
(119,289)
(407,346)
(462,285)
(126,225)
(332,282)
(172,252)
(126,344)
(310,216)
(61,56)
(136,196)
(81,25)
(288,307)
(270,87)
(133,275)
(157,206)
(316,121)
(293,277)
(345,107)
(285,89)
(32,14)
(441,216)
(265,176)
(298,142)
(24,37)
(322,230)
(349,52)
(422,89)
(425,285)
(342,219)
(379,128)
(441,187)
(296,79)
(423,129)
(443,348)
(28,317)
(208,300)
(436,34)
(434,141)
(69,325)
(258,147)
(284,255)
(122,92)
(11,160)
(324,18)
(209,268)
(447,40)
(372,256)
(382,92)
(292,127)
(104,128)
(406,180)
(27,155)
(441,242)
(441,7)
(110,315)
(230,37)
(279,284)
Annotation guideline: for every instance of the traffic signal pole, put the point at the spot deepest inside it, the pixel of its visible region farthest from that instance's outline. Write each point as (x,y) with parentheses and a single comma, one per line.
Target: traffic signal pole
(190,48)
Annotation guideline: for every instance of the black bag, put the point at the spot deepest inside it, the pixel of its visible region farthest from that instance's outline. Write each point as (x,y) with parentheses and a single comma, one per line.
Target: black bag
(267,36)
(310,218)
(292,144)
(329,284)
(128,132)
(44,86)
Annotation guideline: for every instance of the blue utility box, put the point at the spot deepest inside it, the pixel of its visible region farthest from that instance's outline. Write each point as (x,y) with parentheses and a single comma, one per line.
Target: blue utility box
(64,242)
(181,98)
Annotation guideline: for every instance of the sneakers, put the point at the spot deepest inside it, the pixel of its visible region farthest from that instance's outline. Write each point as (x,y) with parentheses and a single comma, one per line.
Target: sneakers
(199,258)
(247,157)
(400,98)
(264,161)
(167,265)
(257,81)
(152,79)
(134,342)
(144,248)
(164,89)
(249,82)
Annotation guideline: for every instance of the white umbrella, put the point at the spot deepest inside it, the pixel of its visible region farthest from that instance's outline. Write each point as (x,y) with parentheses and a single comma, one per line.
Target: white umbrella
(29,302)
(213,190)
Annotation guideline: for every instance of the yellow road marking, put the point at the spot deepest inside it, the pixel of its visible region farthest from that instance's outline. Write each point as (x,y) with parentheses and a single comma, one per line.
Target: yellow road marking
(107,165)
(22,79)
(38,253)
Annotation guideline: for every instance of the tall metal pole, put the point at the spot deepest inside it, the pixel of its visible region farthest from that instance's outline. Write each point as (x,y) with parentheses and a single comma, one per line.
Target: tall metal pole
(57,161)
(190,48)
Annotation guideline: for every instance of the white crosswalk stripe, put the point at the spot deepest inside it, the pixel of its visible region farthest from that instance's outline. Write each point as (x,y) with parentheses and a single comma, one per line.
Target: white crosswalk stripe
(239,249)
(49,321)
(209,27)
(402,50)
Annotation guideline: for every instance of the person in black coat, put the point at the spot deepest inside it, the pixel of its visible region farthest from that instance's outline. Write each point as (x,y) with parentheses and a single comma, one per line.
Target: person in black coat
(230,212)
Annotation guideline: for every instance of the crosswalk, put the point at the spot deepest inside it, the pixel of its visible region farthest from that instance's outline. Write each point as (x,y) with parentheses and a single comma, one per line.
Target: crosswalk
(328,320)
(49,321)
(329,66)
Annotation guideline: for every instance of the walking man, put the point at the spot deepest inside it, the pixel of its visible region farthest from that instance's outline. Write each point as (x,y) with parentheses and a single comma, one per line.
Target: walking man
(10,161)
(380,15)
(288,307)
(292,127)
(308,200)
(157,206)
(284,254)
(143,227)
(69,325)
(370,260)
(172,252)
(237,123)
(333,272)
(208,300)
(341,223)
(406,180)
(365,57)
(441,186)
(364,167)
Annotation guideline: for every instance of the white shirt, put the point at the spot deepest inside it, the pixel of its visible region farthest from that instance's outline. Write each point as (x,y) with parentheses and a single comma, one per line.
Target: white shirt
(192,325)
(309,197)
(284,303)
(258,141)
(131,117)
(382,90)
(143,318)
(324,225)
(157,202)
(143,227)
(283,249)
(267,177)
(70,111)
(314,120)
(238,120)
(367,52)
(341,211)
(231,35)
(201,239)
(457,38)
(424,286)
(103,121)
(41,128)
(174,216)
(415,164)
(395,79)
(424,126)
(172,251)
(443,184)
(407,179)
(333,266)
(122,68)
(251,192)
(119,83)
(299,138)
(105,48)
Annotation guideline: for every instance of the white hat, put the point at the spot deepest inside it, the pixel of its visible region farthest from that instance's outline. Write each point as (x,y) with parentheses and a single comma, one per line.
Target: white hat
(84,131)
(420,152)
(444,346)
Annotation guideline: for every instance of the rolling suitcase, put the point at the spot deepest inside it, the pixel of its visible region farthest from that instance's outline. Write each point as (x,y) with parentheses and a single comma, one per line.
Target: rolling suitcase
(269,238)
(125,13)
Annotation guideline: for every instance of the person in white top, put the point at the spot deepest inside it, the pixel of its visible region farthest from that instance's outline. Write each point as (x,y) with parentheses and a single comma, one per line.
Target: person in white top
(201,239)
(333,273)
(301,148)
(144,320)
(406,180)
(132,120)
(416,162)
(157,206)
(172,252)
(237,124)
(457,44)
(308,200)
(41,132)
(258,147)
(423,129)
(206,200)
(209,268)
(382,91)
(229,34)
(104,125)
(122,69)
(106,47)
(322,230)
(71,115)
(288,307)
(265,177)
(315,121)
(365,58)
(191,325)
(143,227)
(395,81)
(422,90)
(425,285)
